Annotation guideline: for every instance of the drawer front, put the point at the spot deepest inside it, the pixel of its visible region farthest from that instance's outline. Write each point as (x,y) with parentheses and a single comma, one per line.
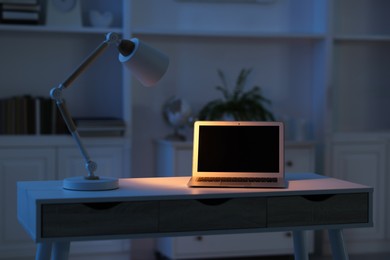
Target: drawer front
(90,219)
(212,214)
(318,210)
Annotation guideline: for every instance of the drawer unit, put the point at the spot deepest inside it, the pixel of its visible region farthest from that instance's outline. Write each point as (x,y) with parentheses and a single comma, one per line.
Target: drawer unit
(212,214)
(90,219)
(314,210)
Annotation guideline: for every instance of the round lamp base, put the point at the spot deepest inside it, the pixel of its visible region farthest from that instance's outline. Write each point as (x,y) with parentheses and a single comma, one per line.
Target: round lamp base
(83,184)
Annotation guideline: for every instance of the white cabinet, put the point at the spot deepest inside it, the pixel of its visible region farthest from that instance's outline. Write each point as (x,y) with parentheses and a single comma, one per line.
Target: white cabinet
(28,164)
(363,158)
(48,158)
(299,157)
(175,159)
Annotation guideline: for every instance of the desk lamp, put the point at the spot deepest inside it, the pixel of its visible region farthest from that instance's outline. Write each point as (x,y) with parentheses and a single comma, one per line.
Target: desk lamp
(147,64)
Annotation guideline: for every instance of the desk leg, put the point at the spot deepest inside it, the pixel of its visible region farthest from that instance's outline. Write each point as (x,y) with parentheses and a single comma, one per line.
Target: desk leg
(300,250)
(60,250)
(337,244)
(43,251)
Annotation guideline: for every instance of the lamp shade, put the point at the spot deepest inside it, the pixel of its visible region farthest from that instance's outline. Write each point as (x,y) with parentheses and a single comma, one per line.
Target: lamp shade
(147,64)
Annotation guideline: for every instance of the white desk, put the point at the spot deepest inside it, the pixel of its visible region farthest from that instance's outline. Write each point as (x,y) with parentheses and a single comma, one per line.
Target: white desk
(157,207)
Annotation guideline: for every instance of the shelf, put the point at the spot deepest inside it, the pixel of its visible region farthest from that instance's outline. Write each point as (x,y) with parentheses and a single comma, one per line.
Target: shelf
(59,29)
(221,33)
(50,140)
(363,37)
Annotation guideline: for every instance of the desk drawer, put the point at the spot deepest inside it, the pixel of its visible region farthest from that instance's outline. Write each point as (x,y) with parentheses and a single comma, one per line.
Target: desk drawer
(89,219)
(318,210)
(212,214)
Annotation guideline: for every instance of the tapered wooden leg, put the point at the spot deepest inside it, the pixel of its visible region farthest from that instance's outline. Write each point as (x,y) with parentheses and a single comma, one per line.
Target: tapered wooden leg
(337,244)
(300,248)
(43,251)
(60,250)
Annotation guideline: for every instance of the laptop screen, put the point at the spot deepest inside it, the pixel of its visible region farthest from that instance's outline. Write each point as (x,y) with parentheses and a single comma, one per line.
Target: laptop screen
(238,149)
(246,148)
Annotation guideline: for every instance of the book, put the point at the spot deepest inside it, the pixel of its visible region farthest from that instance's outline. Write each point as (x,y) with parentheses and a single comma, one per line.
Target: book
(21,7)
(27,115)
(15,12)
(20,2)
(20,16)
(100,126)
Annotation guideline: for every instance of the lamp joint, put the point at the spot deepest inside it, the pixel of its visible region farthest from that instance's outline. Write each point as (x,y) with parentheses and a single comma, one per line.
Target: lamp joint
(56,94)
(112,38)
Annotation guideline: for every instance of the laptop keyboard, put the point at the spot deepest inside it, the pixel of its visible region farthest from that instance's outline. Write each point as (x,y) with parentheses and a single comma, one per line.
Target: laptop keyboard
(237,179)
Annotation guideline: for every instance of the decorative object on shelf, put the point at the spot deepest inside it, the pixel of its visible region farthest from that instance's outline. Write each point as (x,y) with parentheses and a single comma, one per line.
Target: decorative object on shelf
(63,13)
(177,113)
(147,64)
(94,127)
(100,19)
(237,104)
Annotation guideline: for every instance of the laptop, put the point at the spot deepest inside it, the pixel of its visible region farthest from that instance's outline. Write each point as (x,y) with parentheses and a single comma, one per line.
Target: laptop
(238,154)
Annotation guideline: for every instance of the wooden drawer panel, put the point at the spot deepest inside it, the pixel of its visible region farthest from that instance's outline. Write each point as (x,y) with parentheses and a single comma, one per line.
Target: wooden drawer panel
(89,219)
(318,210)
(212,214)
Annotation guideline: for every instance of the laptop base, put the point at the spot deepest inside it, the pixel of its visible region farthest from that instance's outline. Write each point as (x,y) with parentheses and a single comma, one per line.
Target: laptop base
(194,182)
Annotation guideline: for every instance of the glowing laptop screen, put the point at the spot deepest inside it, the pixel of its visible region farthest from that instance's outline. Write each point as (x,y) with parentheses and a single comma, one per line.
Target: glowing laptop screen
(233,148)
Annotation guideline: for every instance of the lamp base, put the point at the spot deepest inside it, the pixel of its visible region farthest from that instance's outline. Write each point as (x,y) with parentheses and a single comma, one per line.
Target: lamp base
(83,184)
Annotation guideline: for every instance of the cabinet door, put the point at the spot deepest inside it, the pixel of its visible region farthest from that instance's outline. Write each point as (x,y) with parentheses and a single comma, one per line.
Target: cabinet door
(19,164)
(299,159)
(366,164)
(173,159)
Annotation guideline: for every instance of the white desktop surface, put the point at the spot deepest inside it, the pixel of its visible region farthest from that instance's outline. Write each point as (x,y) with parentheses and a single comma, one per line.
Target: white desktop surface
(165,187)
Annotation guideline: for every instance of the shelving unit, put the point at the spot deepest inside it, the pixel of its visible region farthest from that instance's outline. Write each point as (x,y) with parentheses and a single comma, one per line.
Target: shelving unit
(34,59)
(358,141)
(52,52)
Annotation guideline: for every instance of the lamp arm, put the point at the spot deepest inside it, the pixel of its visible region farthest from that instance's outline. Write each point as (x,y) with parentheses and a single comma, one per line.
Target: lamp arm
(110,38)
(56,95)
(90,165)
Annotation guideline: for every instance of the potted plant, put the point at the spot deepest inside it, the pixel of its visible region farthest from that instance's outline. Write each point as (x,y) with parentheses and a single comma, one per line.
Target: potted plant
(238,105)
